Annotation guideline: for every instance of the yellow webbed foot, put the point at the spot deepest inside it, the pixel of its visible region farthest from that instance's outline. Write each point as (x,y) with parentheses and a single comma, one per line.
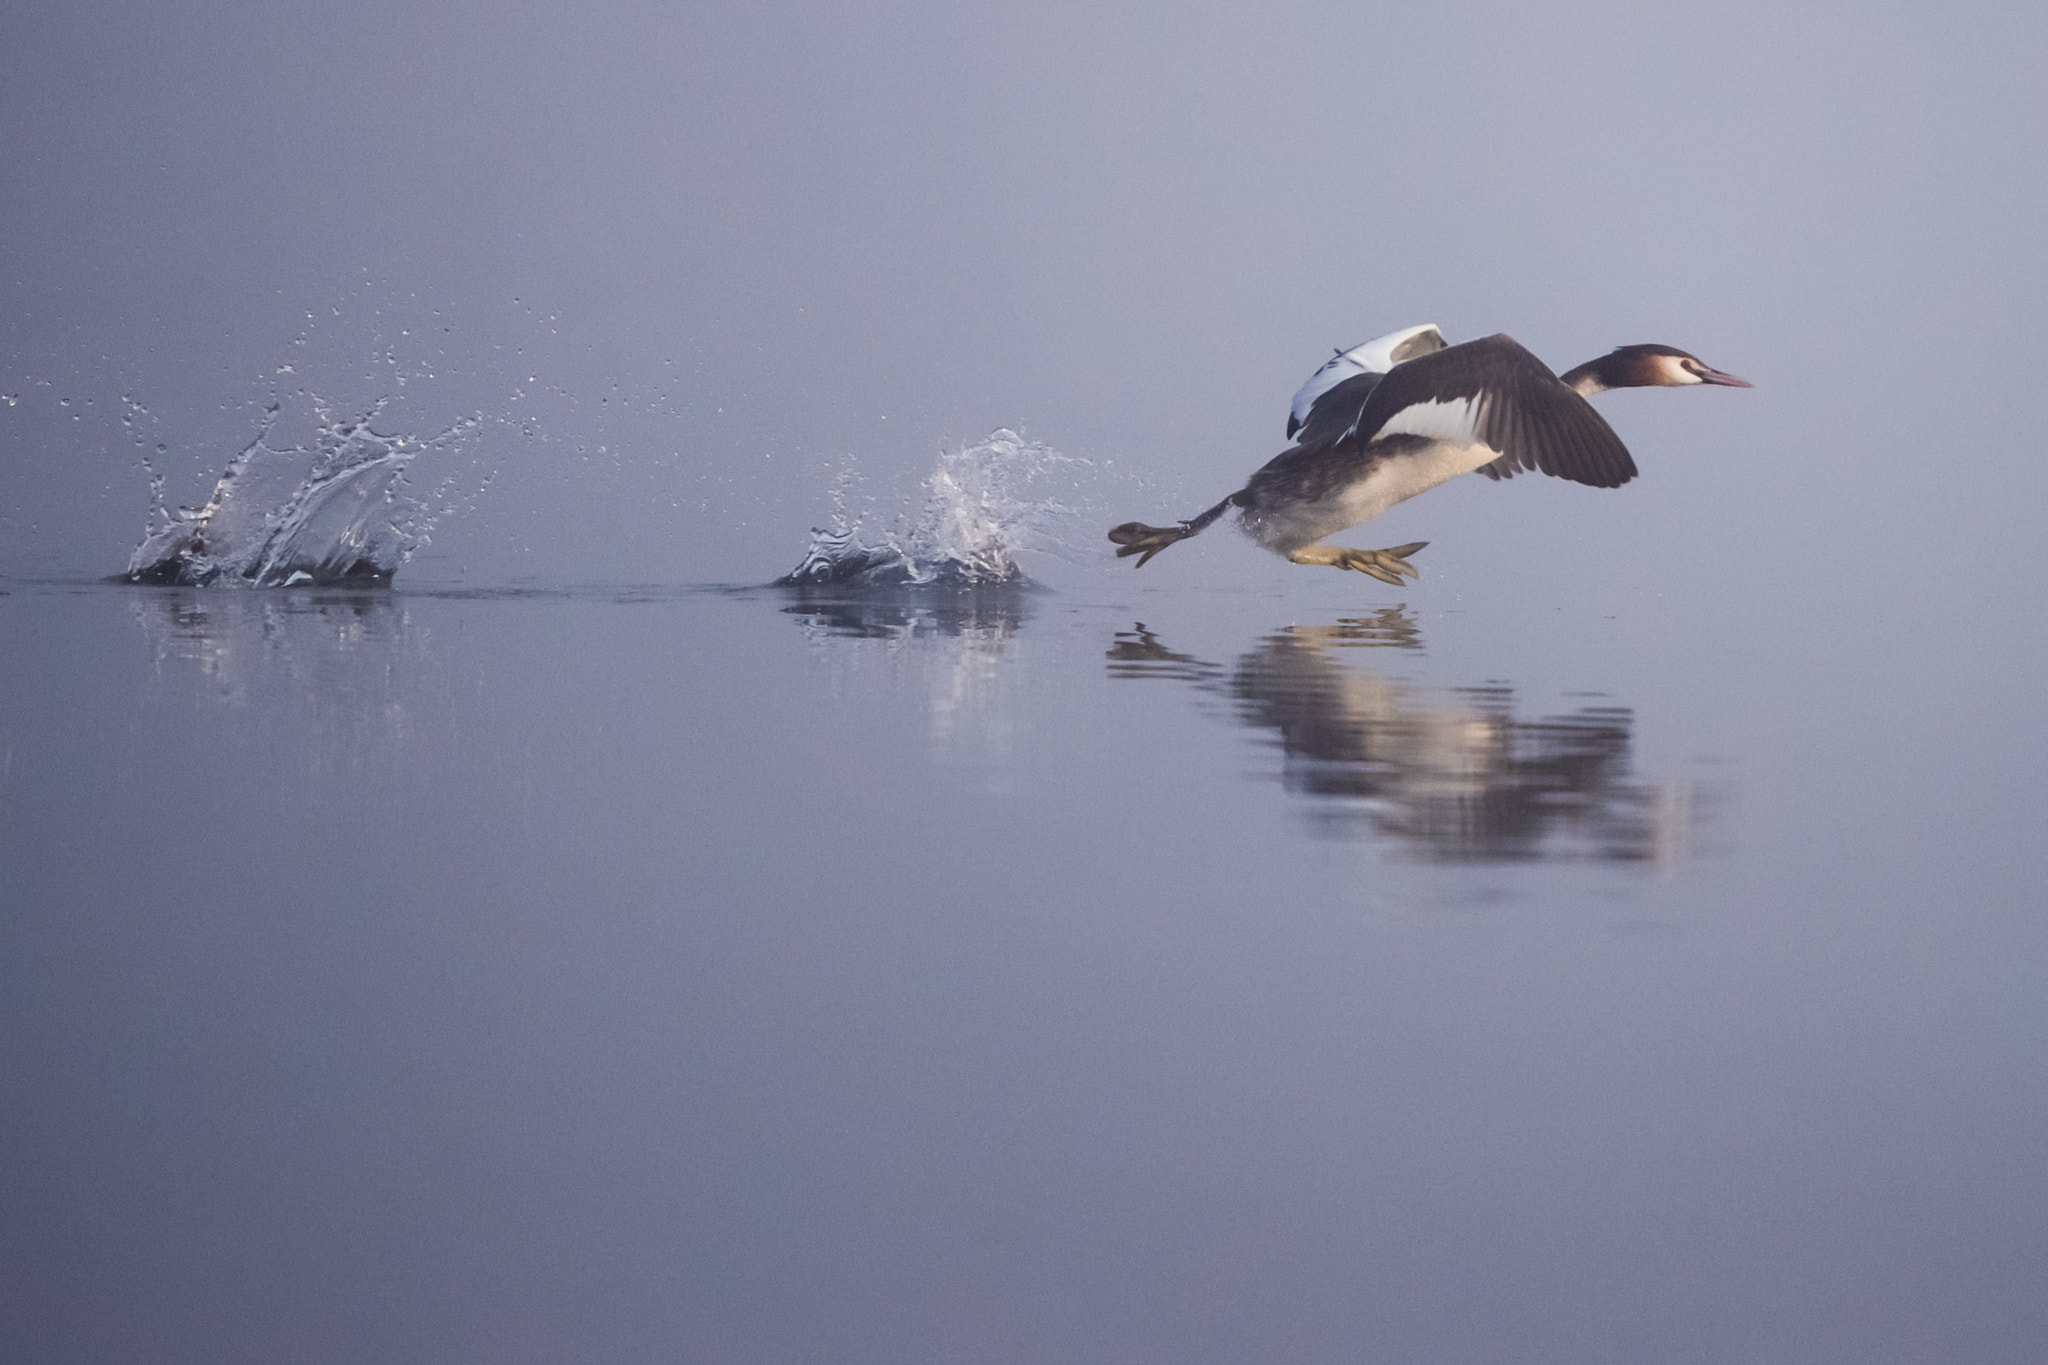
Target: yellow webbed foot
(1388,566)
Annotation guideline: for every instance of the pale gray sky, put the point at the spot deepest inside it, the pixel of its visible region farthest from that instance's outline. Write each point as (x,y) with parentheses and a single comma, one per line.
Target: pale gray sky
(796,233)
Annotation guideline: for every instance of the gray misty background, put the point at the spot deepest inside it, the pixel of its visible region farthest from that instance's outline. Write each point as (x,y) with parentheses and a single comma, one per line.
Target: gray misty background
(1200,964)
(689,261)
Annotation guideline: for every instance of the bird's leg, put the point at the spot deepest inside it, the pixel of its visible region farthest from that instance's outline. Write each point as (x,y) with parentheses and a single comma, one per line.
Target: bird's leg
(1136,538)
(1388,566)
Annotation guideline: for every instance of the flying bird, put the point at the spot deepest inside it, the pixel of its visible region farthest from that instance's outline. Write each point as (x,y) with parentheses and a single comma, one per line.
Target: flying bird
(1403,413)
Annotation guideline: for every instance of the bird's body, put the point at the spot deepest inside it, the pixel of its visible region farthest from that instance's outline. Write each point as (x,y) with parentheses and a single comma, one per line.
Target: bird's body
(1287,506)
(1374,438)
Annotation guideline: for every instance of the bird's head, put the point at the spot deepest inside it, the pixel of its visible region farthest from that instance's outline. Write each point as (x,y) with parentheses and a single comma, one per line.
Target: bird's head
(1649,366)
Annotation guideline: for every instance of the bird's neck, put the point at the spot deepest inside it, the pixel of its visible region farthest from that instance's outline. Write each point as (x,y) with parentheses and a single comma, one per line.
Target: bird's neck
(1585,380)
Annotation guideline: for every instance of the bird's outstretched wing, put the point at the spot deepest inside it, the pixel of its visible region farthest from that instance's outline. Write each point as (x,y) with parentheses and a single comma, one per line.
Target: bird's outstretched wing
(1374,357)
(1490,392)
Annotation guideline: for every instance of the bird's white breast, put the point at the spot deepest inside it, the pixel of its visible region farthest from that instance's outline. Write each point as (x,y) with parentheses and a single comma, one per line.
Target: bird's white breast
(1398,477)
(1401,477)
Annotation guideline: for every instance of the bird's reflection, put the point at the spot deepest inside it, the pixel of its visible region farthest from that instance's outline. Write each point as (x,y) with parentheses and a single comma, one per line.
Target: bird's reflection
(1449,773)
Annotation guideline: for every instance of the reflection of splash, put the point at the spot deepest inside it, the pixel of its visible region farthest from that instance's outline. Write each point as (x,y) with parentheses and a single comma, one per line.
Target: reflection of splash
(336,650)
(1449,772)
(336,512)
(963,630)
(982,505)
(990,613)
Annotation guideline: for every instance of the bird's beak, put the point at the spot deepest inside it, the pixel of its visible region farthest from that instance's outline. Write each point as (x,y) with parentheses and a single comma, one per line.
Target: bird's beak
(1710,375)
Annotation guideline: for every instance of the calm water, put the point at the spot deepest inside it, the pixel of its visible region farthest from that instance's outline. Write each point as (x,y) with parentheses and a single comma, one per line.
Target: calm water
(1145,970)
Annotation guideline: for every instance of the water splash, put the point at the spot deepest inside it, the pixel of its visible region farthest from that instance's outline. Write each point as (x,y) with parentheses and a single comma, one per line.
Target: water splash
(982,505)
(340,510)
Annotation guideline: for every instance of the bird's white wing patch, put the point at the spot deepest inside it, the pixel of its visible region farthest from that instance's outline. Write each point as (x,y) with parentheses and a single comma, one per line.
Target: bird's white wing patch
(1377,356)
(1454,421)
(1373,357)
(1332,374)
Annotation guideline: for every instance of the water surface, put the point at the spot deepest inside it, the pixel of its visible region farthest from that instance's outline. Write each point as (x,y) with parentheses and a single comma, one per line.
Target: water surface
(1124,971)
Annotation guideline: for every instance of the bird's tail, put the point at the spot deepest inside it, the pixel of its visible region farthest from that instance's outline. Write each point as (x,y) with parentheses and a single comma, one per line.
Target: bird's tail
(1136,538)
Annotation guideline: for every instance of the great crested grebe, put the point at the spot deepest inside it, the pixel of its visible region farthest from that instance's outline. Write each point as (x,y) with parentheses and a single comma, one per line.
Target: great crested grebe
(1401,416)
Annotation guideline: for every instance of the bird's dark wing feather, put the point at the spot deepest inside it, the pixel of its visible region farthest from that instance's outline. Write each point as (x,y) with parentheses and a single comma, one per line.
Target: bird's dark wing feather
(1336,412)
(1491,392)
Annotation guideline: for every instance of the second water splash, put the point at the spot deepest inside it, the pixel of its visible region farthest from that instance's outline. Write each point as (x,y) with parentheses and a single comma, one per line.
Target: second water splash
(982,505)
